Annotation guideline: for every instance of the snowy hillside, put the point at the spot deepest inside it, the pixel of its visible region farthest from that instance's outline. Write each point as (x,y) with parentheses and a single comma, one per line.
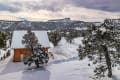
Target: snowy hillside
(65,66)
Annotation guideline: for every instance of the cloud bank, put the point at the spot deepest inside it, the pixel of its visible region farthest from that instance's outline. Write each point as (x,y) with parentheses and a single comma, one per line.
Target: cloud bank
(90,10)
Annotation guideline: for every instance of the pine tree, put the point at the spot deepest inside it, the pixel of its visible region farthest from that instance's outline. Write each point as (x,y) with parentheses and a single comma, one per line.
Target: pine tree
(102,46)
(39,55)
(2,39)
(71,35)
(54,37)
(30,41)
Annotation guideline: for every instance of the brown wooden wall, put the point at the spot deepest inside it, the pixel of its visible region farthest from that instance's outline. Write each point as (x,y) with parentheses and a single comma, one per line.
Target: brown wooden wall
(19,52)
(24,52)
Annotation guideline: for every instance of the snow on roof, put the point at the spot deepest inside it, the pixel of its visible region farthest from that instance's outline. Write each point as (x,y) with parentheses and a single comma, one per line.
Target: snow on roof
(18,37)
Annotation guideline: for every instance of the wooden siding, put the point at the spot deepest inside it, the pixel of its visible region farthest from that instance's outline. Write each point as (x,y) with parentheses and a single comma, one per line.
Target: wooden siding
(24,52)
(19,52)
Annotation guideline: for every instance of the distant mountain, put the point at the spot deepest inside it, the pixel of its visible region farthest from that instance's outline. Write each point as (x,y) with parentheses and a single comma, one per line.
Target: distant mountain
(56,24)
(61,20)
(23,24)
(116,21)
(22,19)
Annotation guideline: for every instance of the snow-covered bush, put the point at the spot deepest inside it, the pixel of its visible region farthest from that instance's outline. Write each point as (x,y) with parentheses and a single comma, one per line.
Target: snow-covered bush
(40,56)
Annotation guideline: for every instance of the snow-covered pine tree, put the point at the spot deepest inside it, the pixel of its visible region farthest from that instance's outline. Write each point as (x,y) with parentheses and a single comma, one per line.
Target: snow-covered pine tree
(39,55)
(71,34)
(69,37)
(30,41)
(102,46)
(2,39)
(54,37)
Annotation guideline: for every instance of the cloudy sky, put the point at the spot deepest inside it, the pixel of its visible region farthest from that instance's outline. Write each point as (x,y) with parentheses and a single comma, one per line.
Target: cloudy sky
(89,10)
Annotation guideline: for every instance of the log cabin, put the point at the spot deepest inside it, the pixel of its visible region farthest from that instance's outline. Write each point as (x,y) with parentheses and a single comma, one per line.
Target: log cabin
(20,52)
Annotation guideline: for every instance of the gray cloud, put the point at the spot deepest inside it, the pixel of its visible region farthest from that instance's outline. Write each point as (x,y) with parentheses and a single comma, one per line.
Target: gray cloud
(5,7)
(106,5)
(39,5)
(55,5)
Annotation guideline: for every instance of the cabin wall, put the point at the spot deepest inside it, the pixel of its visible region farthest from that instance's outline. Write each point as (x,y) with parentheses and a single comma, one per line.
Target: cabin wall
(19,54)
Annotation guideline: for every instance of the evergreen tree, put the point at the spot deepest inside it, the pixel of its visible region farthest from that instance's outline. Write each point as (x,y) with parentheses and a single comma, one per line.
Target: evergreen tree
(30,41)
(102,46)
(69,37)
(54,37)
(71,34)
(2,39)
(39,55)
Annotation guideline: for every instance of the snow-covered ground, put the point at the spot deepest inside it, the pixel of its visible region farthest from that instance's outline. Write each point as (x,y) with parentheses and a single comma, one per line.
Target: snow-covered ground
(65,66)
(66,50)
(56,70)
(2,53)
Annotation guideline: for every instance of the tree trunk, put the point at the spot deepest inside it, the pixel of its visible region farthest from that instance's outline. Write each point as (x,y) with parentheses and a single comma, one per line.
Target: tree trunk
(32,49)
(108,60)
(37,63)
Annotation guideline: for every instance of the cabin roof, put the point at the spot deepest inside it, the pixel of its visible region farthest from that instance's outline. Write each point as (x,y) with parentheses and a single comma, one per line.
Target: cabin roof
(18,37)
